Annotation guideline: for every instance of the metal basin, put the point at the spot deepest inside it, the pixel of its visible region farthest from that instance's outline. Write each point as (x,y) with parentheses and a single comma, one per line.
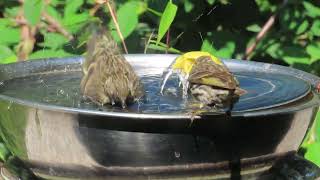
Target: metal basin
(70,141)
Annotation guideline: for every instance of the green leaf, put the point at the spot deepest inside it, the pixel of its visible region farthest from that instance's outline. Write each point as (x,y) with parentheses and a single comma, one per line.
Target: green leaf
(315,28)
(273,50)
(4,22)
(207,47)
(56,2)
(314,51)
(32,10)
(166,20)
(225,52)
(127,16)
(7,55)
(46,53)
(188,6)
(72,6)
(265,5)
(312,153)
(11,12)
(142,7)
(311,10)
(53,12)
(294,54)
(4,152)
(53,40)
(211,1)
(253,28)
(74,23)
(9,35)
(302,27)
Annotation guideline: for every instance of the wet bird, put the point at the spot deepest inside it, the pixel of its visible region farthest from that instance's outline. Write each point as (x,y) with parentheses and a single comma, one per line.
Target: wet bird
(107,77)
(209,81)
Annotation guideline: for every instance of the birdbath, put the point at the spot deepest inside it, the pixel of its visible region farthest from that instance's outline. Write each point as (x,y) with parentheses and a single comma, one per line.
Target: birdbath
(47,125)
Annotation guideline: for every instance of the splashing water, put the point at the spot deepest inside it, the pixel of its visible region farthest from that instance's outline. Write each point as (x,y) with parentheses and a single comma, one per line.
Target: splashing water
(183,80)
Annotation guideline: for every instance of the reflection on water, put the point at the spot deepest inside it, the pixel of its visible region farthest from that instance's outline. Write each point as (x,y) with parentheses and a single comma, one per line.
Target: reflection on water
(62,89)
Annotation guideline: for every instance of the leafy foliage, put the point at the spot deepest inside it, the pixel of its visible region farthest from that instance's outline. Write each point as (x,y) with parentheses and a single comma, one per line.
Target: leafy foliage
(222,27)
(166,19)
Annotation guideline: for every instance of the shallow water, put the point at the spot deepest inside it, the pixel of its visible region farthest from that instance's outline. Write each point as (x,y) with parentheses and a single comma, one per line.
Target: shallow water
(63,89)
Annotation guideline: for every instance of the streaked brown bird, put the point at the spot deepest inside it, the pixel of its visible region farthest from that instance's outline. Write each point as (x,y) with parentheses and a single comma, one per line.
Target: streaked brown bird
(208,79)
(107,77)
(213,84)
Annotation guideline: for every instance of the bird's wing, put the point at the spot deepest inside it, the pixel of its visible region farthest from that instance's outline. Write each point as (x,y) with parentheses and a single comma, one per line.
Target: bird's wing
(206,72)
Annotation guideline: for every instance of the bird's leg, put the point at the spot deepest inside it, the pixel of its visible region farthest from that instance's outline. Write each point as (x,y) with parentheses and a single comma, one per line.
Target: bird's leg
(123,103)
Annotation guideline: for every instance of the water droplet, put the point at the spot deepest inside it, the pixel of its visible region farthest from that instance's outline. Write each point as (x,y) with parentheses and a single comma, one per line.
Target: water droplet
(177,154)
(61,91)
(183,80)
(165,79)
(10,104)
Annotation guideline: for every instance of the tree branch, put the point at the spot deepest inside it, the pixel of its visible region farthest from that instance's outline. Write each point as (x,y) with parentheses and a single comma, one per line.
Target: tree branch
(56,25)
(266,27)
(114,18)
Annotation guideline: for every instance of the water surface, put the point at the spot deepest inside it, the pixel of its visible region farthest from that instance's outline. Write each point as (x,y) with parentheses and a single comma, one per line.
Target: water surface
(63,89)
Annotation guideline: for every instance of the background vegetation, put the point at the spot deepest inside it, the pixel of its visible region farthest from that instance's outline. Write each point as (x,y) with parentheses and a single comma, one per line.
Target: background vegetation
(284,32)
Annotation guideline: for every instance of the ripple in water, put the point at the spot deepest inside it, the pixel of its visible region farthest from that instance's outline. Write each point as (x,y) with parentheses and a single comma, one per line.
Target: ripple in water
(63,89)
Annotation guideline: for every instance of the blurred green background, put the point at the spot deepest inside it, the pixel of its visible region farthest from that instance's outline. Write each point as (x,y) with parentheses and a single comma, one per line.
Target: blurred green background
(289,32)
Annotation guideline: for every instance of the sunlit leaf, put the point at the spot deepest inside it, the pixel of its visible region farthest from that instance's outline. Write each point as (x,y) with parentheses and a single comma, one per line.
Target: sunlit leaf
(273,50)
(166,20)
(56,2)
(53,40)
(7,55)
(311,10)
(314,51)
(32,10)
(302,27)
(53,12)
(265,5)
(312,153)
(72,6)
(127,16)
(4,22)
(9,35)
(4,152)
(253,28)
(46,53)
(11,12)
(315,28)
(211,1)
(225,52)
(74,23)
(294,54)
(188,6)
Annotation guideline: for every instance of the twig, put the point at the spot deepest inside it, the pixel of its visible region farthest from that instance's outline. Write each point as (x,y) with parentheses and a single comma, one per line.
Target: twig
(117,26)
(148,42)
(56,25)
(266,27)
(94,9)
(26,45)
(168,41)
(27,34)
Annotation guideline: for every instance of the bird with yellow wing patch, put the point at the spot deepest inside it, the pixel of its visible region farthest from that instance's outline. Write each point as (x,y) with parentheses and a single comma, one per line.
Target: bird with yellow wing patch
(208,79)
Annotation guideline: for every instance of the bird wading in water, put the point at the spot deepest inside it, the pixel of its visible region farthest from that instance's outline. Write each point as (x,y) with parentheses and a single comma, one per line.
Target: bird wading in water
(209,81)
(107,77)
